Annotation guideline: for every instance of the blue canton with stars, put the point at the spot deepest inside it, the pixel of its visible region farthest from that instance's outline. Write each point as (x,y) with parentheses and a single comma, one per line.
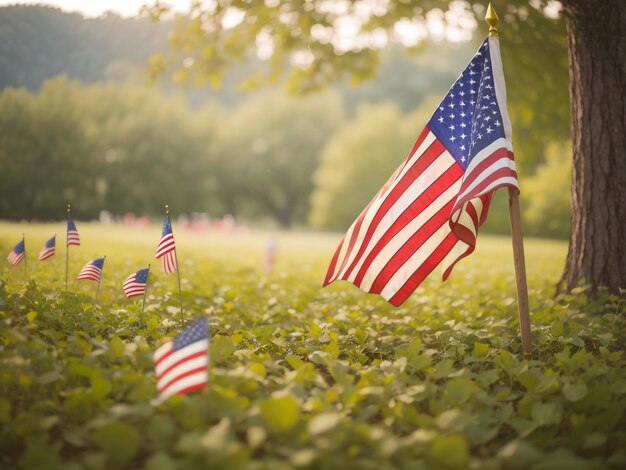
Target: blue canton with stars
(197,331)
(141,277)
(167,226)
(469,119)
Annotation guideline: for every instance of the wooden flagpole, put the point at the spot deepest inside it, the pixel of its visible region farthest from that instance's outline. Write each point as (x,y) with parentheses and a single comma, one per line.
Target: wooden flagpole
(143,304)
(491,18)
(180,296)
(67,246)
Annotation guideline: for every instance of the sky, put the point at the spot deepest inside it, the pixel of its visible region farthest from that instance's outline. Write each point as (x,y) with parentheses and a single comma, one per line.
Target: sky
(97,7)
(457,28)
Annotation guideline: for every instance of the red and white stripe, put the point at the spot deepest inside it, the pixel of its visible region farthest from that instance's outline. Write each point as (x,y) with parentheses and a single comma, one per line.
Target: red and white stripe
(167,250)
(181,371)
(15,258)
(166,244)
(132,288)
(73,238)
(169,262)
(46,253)
(89,273)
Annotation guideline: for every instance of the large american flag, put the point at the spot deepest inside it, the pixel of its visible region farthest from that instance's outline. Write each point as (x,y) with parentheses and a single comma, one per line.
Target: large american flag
(48,249)
(167,248)
(92,270)
(429,211)
(181,365)
(17,254)
(135,284)
(72,233)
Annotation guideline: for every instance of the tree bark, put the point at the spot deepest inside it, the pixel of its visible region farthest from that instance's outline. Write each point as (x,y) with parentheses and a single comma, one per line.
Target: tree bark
(597,69)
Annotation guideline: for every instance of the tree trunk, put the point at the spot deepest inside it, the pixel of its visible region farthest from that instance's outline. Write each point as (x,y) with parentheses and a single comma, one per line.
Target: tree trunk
(597,69)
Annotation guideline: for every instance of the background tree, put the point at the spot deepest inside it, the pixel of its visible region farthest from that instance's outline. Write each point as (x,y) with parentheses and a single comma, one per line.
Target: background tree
(310,34)
(269,148)
(351,168)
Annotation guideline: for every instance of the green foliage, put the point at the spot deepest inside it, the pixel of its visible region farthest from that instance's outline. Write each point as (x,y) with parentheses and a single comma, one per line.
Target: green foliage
(125,148)
(546,194)
(268,149)
(358,160)
(40,42)
(307,377)
(108,147)
(217,37)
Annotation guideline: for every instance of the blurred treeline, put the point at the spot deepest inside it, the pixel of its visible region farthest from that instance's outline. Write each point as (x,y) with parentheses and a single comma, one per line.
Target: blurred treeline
(105,139)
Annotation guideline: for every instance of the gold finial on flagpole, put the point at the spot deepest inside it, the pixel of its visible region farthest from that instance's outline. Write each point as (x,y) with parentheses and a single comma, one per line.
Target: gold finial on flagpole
(69,208)
(491,18)
(167,209)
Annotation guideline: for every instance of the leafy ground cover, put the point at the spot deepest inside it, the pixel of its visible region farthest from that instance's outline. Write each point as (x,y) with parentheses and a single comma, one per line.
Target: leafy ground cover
(300,376)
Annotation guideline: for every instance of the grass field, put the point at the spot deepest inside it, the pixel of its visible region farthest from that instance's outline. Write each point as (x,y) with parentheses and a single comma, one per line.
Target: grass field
(300,376)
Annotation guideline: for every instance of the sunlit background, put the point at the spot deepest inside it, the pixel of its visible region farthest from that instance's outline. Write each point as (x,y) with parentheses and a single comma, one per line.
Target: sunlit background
(121,107)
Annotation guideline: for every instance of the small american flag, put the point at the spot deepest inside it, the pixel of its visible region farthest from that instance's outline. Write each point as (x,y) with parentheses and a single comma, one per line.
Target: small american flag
(181,365)
(429,211)
(92,270)
(17,253)
(135,284)
(72,233)
(270,256)
(48,249)
(167,248)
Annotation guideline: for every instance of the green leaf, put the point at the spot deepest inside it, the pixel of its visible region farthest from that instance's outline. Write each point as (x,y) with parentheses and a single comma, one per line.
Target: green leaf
(547,414)
(161,461)
(519,454)
(480,349)
(323,422)
(49,377)
(116,347)
(575,392)
(118,440)
(280,414)
(460,389)
(450,451)
(443,369)
(100,387)
(5,410)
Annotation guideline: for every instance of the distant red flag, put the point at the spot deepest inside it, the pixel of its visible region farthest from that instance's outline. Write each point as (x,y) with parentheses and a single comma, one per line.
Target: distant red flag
(270,256)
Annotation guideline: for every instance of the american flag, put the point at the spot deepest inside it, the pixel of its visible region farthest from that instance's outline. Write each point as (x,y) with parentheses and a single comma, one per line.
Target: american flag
(72,233)
(17,253)
(48,249)
(167,248)
(429,211)
(181,365)
(135,284)
(92,270)
(270,256)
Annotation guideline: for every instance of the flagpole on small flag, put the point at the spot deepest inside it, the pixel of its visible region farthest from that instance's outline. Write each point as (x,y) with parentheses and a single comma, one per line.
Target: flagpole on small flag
(143,304)
(67,247)
(180,296)
(491,18)
(99,279)
(25,262)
